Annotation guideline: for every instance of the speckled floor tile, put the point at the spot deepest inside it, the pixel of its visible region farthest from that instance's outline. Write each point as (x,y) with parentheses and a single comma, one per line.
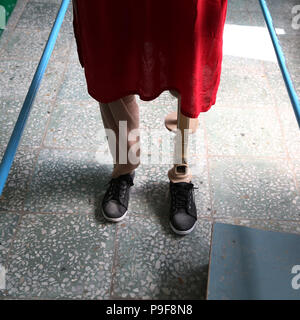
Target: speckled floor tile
(153,116)
(67,182)
(245,5)
(290,45)
(243,84)
(51,1)
(291,132)
(76,125)
(35,127)
(150,195)
(157,146)
(24,44)
(8,224)
(252,132)
(152,263)
(16,76)
(61,256)
(276,85)
(268,225)
(282,6)
(17,183)
(41,16)
(74,85)
(252,66)
(165,99)
(296,165)
(297,83)
(3,39)
(238,16)
(253,188)
(73,52)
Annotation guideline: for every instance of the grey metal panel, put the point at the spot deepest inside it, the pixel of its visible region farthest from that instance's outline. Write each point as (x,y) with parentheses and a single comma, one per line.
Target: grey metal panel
(253,264)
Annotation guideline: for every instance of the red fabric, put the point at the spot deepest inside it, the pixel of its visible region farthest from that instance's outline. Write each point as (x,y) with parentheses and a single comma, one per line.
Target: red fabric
(147,46)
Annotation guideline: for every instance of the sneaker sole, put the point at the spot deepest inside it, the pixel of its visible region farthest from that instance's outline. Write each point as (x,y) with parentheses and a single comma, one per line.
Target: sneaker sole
(114,219)
(180,232)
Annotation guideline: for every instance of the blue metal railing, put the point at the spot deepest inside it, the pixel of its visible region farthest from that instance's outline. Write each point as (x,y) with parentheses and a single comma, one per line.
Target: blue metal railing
(16,136)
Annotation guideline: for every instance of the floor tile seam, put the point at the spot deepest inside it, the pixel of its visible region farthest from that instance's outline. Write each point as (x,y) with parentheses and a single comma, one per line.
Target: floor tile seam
(114,261)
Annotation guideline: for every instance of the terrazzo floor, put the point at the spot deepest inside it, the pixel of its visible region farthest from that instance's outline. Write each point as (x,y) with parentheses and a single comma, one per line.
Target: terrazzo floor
(245,158)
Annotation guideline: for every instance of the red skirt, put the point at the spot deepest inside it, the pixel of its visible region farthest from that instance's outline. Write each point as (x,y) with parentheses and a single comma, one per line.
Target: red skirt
(145,47)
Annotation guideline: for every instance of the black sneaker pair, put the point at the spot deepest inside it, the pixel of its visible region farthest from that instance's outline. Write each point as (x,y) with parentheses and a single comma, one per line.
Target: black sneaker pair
(183,212)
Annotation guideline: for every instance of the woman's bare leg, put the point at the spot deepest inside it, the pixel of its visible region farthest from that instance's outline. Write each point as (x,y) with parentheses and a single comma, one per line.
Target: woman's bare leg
(125,110)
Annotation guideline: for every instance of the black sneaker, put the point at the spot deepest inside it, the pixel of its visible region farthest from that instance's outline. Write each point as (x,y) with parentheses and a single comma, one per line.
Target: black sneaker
(183,211)
(116,198)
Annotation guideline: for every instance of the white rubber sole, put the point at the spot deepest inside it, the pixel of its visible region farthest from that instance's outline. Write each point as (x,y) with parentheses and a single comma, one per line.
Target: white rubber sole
(182,233)
(114,219)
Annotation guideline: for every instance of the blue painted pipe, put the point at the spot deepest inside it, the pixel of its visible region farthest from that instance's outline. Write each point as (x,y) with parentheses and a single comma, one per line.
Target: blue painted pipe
(281,61)
(16,136)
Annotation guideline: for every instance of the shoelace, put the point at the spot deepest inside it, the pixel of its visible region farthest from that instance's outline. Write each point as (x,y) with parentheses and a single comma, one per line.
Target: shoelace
(182,195)
(118,186)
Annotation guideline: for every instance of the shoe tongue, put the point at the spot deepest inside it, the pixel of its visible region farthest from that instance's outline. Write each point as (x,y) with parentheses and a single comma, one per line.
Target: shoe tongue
(184,185)
(125,179)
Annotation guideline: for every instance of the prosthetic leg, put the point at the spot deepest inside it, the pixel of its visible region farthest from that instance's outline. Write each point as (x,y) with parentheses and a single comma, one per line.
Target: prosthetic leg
(182,126)
(183,211)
